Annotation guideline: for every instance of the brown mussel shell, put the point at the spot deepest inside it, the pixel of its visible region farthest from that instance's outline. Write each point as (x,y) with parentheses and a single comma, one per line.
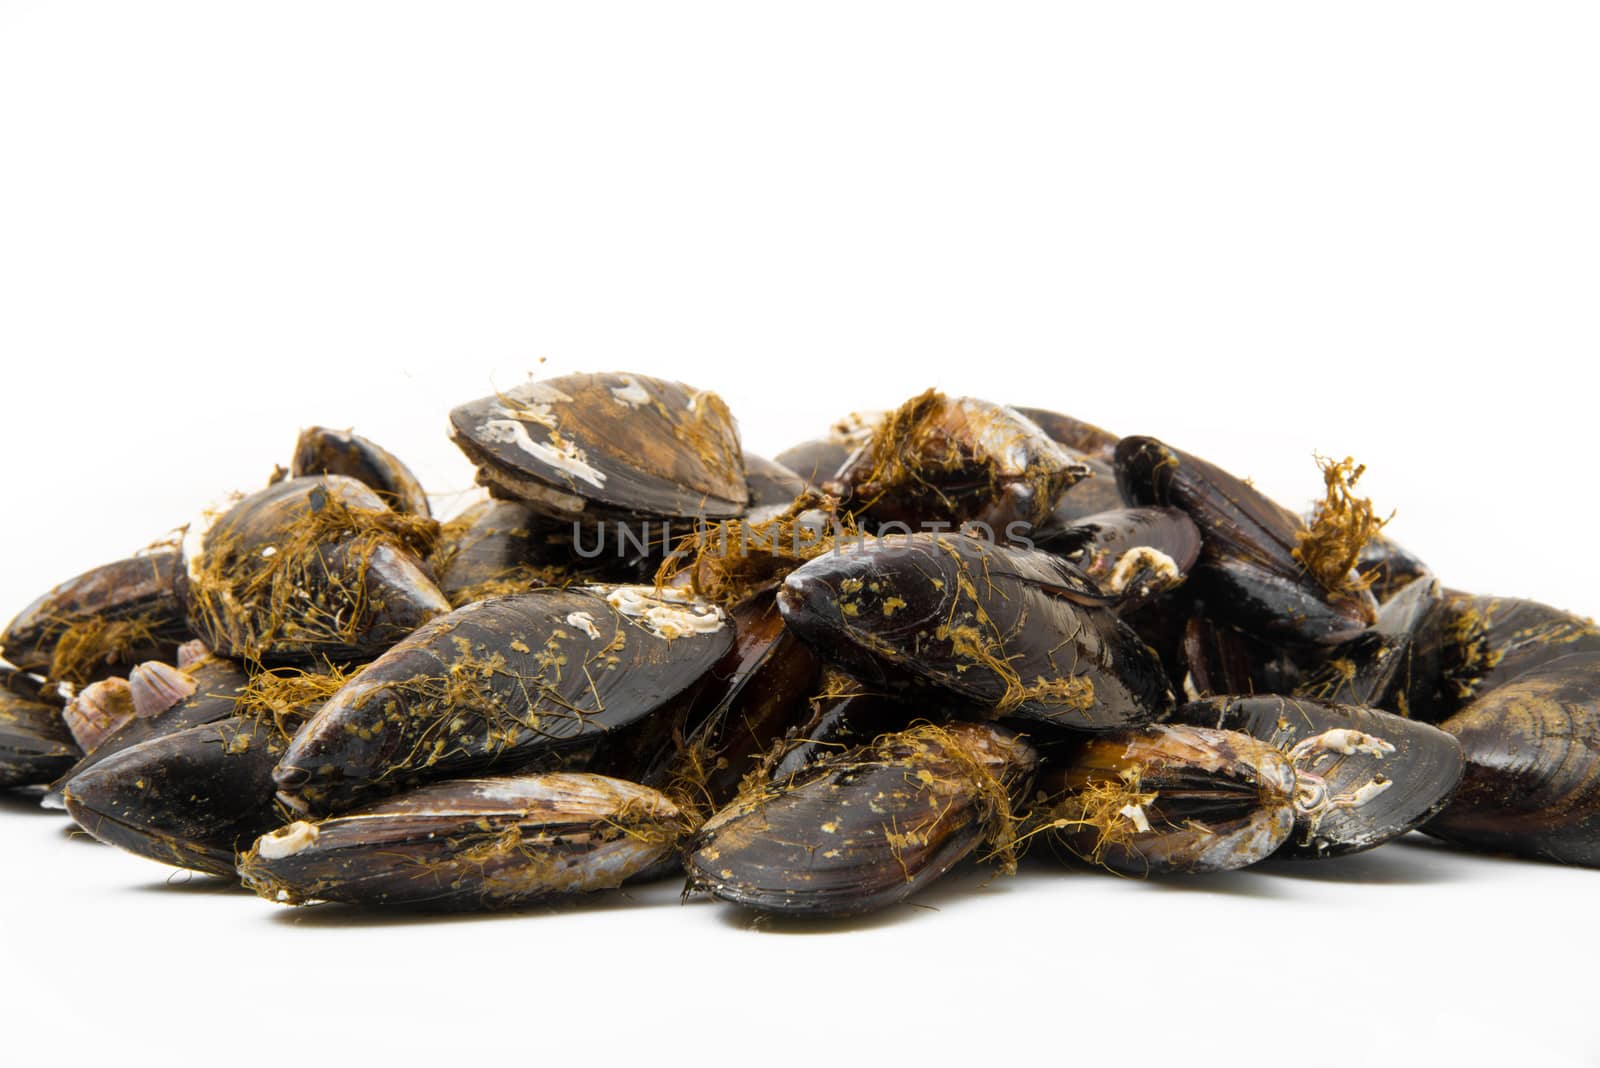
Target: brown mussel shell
(867,828)
(1398,776)
(1247,567)
(309,568)
(1532,780)
(192,799)
(471,844)
(1169,799)
(957,461)
(1083,438)
(1011,630)
(103,620)
(599,446)
(321,451)
(506,684)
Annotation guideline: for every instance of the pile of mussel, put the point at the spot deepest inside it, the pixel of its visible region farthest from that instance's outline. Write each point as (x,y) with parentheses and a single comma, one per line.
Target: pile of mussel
(953,631)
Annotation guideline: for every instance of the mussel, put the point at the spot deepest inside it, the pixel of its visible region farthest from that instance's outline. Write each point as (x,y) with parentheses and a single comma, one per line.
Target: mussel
(471,844)
(1251,567)
(502,684)
(1131,553)
(1364,776)
(35,744)
(866,828)
(957,461)
(321,451)
(309,568)
(1022,633)
(1532,780)
(594,447)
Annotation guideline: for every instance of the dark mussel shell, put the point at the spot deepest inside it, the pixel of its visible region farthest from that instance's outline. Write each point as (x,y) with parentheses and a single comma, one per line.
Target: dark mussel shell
(843,717)
(504,683)
(191,799)
(471,844)
(321,451)
(773,487)
(1170,799)
(1532,780)
(1396,665)
(106,619)
(1218,658)
(957,461)
(598,446)
(1083,438)
(747,703)
(218,687)
(1247,566)
(817,461)
(1388,567)
(309,568)
(490,545)
(1374,775)
(1016,631)
(35,744)
(866,828)
(1132,553)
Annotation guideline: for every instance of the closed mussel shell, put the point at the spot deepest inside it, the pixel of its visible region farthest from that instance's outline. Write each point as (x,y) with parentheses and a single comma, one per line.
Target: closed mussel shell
(1169,799)
(494,547)
(218,686)
(471,844)
(1376,775)
(843,717)
(957,460)
(192,799)
(35,744)
(309,568)
(592,446)
(322,451)
(866,828)
(504,684)
(1012,630)
(102,621)
(1247,565)
(1532,780)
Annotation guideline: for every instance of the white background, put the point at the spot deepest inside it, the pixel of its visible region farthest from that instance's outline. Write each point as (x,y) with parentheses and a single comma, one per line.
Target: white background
(1254,230)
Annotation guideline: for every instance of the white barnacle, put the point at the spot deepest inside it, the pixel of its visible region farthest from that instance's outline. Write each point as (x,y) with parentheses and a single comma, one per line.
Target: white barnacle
(667,612)
(1137,559)
(1363,793)
(287,841)
(632,394)
(1341,740)
(564,456)
(584,622)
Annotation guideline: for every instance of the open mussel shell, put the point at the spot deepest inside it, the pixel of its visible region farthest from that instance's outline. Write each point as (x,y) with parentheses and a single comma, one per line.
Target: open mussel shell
(1016,631)
(471,844)
(218,687)
(1247,568)
(1169,799)
(35,744)
(1392,778)
(957,460)
(192,799)
(322,451)
(502,684)
(309,568)
(608,445)
(1131,553)
(104,620)
(1532,780)
(866,828)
